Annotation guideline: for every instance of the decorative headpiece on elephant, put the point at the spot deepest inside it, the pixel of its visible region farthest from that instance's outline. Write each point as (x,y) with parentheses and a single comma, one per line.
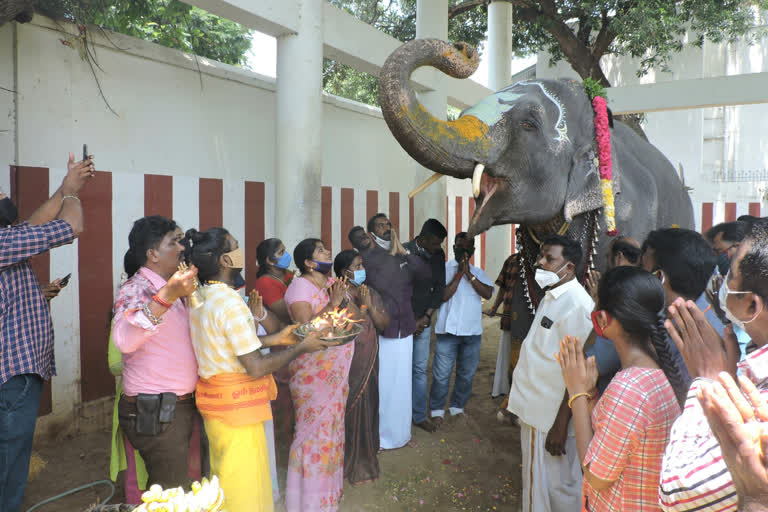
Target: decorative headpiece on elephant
(535,145)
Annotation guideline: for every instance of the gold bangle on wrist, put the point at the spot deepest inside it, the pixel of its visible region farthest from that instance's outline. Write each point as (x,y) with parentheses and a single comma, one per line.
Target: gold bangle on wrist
(577,395)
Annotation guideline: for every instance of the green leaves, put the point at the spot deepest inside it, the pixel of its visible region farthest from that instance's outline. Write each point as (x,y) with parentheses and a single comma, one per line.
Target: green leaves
(167,22)
(398,19)
(593,88)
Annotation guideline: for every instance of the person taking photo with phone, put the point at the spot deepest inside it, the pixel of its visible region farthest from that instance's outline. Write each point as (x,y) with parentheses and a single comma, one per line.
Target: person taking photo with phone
(26,341)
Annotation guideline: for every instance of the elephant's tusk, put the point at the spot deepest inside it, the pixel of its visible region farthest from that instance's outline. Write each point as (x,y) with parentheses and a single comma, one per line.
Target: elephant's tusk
(477,177)
(426,184)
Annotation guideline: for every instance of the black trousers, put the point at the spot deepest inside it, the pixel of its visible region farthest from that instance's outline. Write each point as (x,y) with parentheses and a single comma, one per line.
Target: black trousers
(165,454)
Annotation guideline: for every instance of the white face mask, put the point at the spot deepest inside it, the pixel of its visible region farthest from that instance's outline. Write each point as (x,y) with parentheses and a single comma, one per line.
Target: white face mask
(384,244)
(723,298)
(547,278)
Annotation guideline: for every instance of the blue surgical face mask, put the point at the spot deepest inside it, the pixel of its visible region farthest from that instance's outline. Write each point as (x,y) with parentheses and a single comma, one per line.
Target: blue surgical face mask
(284,260)
(359,277)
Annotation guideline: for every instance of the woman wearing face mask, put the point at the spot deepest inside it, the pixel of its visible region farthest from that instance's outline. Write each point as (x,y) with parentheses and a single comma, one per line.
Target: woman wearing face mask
(361,464)
(229,360)
(621,437)
(319,387)
(273,276)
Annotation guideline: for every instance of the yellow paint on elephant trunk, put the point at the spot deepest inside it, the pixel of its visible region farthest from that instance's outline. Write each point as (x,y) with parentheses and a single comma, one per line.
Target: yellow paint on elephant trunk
(466,129)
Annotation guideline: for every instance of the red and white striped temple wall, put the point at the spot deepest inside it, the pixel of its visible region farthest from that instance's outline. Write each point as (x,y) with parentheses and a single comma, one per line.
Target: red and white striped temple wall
(708,214)
(113,200)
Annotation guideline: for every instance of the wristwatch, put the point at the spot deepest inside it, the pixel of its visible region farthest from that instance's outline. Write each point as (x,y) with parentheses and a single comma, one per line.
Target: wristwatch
(473,278)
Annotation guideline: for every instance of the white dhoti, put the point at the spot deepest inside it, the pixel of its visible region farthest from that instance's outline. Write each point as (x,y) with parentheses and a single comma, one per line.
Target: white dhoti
(395,393)
(550,484)
(501,376)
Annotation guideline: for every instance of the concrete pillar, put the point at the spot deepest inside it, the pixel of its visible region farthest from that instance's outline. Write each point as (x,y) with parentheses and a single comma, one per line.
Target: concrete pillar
(431,21)
(499,44)
(498,241)
(299,108)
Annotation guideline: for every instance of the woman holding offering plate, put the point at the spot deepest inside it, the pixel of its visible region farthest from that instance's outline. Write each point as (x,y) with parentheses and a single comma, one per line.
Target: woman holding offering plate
(227,347)
(361,464)
(319,387)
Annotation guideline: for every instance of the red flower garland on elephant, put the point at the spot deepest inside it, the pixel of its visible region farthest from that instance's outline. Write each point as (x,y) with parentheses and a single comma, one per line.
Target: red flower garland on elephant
(603,134)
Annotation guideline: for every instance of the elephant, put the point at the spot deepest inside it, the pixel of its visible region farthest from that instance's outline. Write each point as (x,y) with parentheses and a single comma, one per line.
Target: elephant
(535,145)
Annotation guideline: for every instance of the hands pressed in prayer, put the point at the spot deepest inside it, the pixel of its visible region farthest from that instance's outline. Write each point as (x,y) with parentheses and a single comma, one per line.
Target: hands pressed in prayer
(580,373)
(592,281)
(740,425)
(338,291)
(256,304)
(397,247)
(702,348)
(464,268)
(365,296)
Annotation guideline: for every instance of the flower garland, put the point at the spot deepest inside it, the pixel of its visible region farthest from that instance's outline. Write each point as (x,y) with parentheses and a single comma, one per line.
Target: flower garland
(603,134)
(596,94)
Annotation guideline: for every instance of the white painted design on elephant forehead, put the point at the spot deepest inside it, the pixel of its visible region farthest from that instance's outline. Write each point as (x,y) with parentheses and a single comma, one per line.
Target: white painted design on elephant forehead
(491,108)
(560,127)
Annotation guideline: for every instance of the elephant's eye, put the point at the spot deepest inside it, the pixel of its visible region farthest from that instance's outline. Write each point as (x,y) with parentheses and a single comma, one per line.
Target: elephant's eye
(528,126)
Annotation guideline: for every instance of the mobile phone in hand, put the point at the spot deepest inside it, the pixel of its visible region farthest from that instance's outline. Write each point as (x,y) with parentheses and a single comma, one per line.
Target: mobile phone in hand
(65,280)
(85,152)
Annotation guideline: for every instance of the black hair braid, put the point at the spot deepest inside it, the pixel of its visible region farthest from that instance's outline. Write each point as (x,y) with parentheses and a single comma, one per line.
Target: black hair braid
(665,360)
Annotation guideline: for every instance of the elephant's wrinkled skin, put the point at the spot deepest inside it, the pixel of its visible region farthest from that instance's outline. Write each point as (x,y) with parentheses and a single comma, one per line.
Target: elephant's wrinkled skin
(537,142)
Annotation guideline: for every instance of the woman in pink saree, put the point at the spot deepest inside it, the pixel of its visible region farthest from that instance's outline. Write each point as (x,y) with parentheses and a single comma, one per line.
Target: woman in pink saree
(319,388)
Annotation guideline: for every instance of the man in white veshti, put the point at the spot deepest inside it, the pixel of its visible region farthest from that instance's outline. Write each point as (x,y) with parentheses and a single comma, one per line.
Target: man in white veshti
(551,470)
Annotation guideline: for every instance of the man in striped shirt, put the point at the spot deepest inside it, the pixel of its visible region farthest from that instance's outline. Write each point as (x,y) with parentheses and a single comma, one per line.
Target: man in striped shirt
(694,475)
(26,331)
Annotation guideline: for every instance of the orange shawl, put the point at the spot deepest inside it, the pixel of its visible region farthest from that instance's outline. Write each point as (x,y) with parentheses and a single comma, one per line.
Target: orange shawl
(236,398)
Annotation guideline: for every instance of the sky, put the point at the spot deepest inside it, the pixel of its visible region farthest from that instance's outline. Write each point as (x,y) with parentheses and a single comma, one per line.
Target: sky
(263,52)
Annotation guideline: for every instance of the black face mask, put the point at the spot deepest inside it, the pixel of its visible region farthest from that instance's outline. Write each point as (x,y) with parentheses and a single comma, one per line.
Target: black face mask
(8,212)
(460,252)
(238,281)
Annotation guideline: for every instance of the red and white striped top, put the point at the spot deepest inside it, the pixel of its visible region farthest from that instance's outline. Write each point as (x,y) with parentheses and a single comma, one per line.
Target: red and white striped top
(693,474)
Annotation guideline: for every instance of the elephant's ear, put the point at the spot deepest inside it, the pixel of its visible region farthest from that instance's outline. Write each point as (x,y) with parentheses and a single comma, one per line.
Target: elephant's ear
(583,193)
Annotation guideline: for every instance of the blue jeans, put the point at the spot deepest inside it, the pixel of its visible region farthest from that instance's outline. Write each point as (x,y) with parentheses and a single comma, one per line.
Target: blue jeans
(464,352)
(19,403)
(419,383)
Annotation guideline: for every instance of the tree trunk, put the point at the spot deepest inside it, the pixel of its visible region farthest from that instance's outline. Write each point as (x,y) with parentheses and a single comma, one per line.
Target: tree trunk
(19,10)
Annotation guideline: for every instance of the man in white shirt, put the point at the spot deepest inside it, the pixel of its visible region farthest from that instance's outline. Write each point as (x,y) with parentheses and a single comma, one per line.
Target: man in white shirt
(551,482)
(459,330)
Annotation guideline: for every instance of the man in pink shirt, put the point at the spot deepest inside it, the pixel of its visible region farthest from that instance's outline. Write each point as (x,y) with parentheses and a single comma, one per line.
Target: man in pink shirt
(151,329)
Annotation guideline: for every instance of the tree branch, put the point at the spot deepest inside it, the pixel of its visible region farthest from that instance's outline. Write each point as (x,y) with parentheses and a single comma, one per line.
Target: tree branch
(576,53)
(465,6)
(604,38)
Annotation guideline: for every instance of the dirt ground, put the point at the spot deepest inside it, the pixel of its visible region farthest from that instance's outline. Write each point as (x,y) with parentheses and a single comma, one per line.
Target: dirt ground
(471,465)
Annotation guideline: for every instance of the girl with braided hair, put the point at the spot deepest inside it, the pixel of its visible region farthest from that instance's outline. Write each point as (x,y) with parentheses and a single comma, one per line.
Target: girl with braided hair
(622,434)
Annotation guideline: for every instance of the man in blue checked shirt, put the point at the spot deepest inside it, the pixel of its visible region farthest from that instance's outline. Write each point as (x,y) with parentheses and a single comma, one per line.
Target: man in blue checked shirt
(26,331)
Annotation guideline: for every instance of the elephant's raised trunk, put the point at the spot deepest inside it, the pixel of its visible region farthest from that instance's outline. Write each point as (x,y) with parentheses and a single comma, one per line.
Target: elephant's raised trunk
(447,147)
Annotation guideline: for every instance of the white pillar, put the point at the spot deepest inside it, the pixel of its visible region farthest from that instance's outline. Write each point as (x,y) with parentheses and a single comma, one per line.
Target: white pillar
(498,241)
(499,44)
(298,125)
(431,21)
